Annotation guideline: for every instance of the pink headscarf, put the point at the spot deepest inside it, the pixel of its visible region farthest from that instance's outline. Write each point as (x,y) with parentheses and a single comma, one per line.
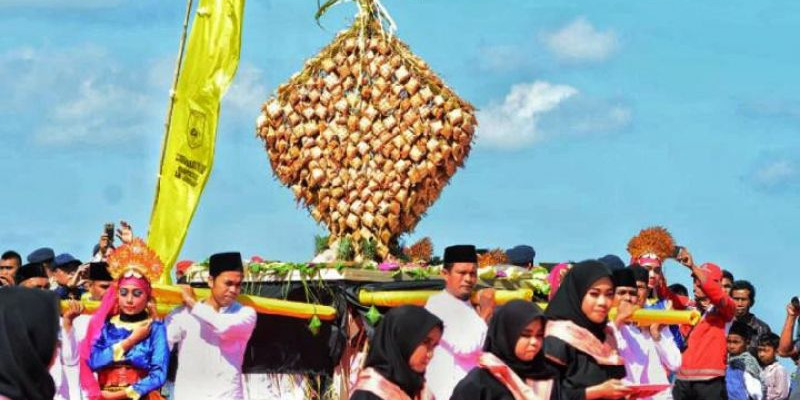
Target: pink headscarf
(108,308)
(555,277)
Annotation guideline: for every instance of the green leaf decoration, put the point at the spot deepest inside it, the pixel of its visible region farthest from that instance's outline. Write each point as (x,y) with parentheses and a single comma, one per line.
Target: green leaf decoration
(254,268)
(314,325)
(373,315)
(322,8)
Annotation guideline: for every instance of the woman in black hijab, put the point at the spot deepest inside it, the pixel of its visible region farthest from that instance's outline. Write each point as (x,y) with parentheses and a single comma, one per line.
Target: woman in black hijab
(512,366)
(576,341)
(28,339)
(400,351)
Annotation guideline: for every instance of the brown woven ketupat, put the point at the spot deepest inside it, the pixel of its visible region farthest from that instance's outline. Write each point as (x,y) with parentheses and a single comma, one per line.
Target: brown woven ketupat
(366,135)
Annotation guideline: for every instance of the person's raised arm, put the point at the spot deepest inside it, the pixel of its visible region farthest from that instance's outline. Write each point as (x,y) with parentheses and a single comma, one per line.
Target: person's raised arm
(722,302)
(786,346)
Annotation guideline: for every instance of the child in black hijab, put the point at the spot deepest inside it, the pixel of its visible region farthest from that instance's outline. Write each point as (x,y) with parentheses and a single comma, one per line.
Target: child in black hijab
(578,341)
(512,366)
(400,351)
(28,339)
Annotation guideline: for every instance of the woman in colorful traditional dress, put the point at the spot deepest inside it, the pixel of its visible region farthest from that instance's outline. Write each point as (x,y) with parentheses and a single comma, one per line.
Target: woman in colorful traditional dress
(512,367)
(125,352)
(578,341)
(399,354)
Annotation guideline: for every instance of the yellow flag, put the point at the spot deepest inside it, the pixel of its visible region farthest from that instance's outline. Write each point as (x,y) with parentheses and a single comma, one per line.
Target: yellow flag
(212,56)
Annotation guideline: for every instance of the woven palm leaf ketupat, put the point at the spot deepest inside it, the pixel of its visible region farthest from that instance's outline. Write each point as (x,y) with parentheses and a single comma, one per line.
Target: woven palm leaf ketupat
(366,135)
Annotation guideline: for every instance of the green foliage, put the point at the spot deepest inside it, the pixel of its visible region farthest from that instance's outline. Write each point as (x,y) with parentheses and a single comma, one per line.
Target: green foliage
(320,243)
(418,274)
(345,252)
(369,248)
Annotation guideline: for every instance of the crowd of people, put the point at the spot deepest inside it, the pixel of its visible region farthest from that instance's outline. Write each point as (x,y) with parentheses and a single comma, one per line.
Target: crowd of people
(584,345)
(578,348)
(51,349)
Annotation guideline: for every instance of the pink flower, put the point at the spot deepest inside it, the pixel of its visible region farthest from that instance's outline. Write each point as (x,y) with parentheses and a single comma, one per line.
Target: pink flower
(388,266)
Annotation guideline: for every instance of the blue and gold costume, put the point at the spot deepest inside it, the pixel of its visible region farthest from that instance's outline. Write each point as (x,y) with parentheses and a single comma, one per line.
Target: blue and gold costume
(139,371)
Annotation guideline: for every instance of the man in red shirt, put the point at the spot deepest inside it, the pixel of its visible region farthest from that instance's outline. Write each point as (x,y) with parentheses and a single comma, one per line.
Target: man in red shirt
(702,372)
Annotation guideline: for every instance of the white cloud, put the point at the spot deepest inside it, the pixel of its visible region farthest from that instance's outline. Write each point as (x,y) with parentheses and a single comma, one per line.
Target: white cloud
(777,173)
(585,115)
(513,122)
(533,112)
(246,94)
(99,114)
(85,97)
(502,58)
(82,96)
(579,41)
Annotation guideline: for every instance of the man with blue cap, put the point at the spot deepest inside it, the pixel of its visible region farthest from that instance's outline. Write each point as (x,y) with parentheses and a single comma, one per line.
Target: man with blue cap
(45,255)
(63,273)
(521,256)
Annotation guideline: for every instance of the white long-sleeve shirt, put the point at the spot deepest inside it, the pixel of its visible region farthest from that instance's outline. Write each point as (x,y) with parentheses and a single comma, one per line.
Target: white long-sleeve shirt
(461,344)
(79,327)
(647,361)
(211,349)
(67,358)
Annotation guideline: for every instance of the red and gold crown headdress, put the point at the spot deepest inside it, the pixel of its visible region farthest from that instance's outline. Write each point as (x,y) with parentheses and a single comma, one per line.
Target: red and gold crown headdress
(135,259)
(651,246)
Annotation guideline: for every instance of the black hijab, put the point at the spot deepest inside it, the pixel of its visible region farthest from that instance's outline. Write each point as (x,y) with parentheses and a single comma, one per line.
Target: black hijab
(396,337)
(28,339)
(566,305)
(505,328)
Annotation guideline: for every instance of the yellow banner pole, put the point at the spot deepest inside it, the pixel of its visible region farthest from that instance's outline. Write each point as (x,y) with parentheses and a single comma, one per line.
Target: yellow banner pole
(202,77)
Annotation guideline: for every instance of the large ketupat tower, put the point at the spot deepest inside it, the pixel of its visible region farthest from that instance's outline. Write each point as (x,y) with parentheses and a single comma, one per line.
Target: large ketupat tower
(366,135)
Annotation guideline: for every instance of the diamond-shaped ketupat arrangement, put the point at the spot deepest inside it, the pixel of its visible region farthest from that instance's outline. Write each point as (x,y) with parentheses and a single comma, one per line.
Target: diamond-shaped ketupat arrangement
(366,135)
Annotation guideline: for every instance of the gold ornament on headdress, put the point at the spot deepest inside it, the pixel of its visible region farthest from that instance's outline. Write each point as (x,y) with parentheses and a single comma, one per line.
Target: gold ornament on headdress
(655,240)
(135,259)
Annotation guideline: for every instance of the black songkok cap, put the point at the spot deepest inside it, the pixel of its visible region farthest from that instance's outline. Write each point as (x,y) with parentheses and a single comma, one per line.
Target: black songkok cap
(623,278)
(223,262)
(462,253)
(640,273)
(30,270)
(98,271)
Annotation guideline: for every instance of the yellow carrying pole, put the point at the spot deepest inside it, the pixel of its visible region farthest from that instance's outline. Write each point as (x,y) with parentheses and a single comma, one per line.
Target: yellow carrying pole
(394,298)
(169,298)
(642,317)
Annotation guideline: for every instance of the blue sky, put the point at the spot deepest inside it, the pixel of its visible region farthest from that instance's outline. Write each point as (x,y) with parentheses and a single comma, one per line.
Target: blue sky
(597,119)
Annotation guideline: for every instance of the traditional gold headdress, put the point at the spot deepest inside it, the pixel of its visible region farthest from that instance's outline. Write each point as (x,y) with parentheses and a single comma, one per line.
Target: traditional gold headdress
(135,259)
(651,246)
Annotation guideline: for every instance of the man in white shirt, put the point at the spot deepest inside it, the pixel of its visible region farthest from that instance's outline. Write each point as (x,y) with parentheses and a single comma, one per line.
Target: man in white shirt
(212,335)
(649,352)
(464,325)
(98,280)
